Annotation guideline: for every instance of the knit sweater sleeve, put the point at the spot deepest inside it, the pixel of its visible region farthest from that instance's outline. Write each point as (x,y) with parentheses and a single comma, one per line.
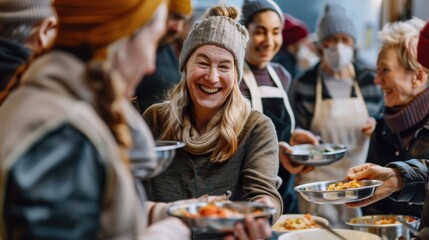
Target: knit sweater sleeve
(261,164)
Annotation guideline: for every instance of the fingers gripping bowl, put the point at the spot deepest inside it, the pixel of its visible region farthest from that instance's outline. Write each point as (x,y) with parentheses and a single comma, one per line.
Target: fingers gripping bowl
(220,217)
(317,192)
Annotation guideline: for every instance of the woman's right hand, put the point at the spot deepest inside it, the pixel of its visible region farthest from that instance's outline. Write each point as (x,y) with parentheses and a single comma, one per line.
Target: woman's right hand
(392,181)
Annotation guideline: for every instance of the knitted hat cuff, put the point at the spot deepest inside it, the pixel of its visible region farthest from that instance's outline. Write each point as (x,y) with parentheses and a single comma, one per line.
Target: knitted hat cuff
(335,21)
(180,6)
(220,31)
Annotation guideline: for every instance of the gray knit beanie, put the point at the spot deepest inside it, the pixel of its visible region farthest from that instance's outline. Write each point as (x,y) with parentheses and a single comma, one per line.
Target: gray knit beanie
(25,11)
(222,31)
(334,21)
(252,7)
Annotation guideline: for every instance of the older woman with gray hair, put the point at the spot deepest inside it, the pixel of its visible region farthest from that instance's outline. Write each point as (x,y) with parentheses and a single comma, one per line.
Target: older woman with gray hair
(400,140)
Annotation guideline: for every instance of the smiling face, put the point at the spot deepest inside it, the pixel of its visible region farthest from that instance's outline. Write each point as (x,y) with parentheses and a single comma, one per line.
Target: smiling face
(395,80)
(265,32)
(210,76)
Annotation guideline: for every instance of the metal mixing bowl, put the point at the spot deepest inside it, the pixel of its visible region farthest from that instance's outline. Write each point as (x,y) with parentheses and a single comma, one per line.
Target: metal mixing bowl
(317,192)
(385,231)
(144,168)
(166,150)
(320,155)
(218,224)
(322,234)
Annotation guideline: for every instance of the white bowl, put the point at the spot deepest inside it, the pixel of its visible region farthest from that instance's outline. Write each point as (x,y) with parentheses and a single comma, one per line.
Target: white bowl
(322,234)
(280,229)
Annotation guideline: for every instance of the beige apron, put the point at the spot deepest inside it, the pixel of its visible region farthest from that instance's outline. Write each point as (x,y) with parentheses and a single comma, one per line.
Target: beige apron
(337,121)
(259,92)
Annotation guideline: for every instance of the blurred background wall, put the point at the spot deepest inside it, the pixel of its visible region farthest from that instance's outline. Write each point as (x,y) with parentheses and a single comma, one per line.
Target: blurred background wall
(369,16)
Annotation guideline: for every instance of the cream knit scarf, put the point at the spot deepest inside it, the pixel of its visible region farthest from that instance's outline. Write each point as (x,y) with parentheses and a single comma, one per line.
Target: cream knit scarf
(201,144)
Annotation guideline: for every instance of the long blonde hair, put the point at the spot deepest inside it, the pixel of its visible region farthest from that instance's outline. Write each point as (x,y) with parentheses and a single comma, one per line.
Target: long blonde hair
(235,110)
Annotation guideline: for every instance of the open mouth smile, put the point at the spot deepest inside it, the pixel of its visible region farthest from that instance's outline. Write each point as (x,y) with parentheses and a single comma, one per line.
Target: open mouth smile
(209,90)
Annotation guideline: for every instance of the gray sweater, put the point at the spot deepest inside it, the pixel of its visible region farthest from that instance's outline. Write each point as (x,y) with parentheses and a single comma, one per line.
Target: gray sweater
(250,173)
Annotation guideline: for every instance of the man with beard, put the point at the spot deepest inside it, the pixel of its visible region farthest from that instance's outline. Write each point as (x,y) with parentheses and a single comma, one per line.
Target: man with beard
(167,74)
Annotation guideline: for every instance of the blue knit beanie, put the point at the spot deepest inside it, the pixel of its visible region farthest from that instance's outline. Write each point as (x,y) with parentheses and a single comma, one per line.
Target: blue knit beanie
(334,21)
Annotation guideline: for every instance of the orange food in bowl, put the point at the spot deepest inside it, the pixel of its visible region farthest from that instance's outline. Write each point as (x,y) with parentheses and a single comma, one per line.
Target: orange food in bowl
(342,186)
(297,223)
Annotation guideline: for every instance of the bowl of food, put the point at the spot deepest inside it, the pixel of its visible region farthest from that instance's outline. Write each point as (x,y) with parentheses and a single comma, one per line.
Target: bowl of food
(386,226)
(292,222)
(320,155)
(218,216)
(338,191)
(322,234)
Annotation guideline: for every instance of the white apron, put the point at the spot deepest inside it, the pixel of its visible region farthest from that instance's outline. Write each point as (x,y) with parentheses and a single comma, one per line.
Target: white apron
(259,92)
(337,121)
(264,95)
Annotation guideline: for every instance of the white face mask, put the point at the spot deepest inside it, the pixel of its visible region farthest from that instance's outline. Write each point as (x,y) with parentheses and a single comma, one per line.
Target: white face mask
(338,56)
(306,58)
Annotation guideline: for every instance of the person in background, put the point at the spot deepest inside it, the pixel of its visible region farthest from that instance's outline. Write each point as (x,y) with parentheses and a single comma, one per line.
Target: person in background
(297,52)
(27,28)
(66,147)
(228,145)
(336,100)
(403,132)
(405,181)
(187,26)
(154,86)
(266,85)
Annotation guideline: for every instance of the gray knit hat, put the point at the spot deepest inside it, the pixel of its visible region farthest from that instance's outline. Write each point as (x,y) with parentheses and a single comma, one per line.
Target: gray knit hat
(25,11)
(252,7)
(222,31)
(334,21)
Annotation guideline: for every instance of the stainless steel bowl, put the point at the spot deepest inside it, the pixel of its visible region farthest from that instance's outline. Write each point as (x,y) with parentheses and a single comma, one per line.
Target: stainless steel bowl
(144,168)
(320,155)
(385,231)
(217,224)
(317,192)
(166,150)
(322,234)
